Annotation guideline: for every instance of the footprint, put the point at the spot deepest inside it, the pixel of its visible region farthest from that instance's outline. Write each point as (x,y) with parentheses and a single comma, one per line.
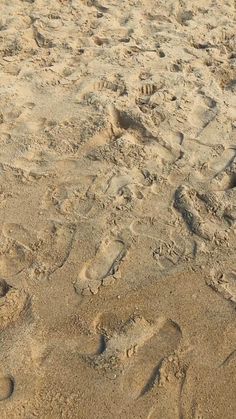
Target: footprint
(135,350)
(41,40)
(148,89)
(132,122)
(14,258)
(209,214)
(116,184)
(224,283)
(55,246)
(203,112)
(143,372)
(148,227)
(98,86)
(222,161)
(71,198)
(12,305)
(49,248)
(6,387)
(20,234)
(4,287)
(169,251)
(105,264)
(226,179)
(185,203)
(172,252)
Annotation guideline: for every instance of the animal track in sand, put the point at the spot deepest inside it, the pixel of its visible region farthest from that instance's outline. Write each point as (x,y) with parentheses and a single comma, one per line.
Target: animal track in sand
(98,271)
(137,348)
(6,387)
(169,250)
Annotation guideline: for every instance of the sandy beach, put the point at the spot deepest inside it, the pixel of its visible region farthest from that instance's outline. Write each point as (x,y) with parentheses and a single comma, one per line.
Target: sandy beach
(117,209)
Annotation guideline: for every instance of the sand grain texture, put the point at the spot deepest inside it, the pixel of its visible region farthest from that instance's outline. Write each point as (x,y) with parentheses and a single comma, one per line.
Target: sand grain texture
(117,209)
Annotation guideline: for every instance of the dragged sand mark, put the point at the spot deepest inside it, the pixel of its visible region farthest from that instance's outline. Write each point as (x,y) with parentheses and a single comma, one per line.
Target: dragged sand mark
(100,270)
(228,359)
(6,387)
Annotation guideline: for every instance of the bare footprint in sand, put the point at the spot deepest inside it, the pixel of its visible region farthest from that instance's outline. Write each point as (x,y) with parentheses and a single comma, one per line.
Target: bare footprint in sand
(143,371)
(20,234)
(136,350)
(13,303)
(17,245)
(105,264)
(207,214)
(53,247)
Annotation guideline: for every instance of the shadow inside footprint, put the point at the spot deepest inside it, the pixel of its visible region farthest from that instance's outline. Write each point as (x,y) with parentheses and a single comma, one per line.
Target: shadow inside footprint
(142,373)
(105,263)
(135,349)
(6,387)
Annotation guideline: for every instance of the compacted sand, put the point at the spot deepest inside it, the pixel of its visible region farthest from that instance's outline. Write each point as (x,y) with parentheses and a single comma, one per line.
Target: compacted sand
(117,209)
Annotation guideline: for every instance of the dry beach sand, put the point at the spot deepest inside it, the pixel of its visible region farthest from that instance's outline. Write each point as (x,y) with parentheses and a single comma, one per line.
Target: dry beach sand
(117,209)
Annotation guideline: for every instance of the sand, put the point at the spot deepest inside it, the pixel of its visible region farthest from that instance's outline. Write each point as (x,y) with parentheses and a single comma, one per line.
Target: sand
(117,209)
